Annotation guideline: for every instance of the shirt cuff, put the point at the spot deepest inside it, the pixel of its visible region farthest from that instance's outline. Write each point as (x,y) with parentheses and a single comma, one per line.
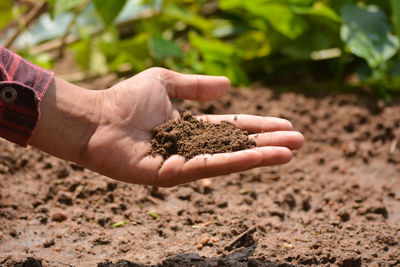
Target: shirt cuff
(22,86)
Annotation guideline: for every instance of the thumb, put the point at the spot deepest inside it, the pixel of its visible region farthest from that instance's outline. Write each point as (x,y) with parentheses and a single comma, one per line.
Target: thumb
(195,87)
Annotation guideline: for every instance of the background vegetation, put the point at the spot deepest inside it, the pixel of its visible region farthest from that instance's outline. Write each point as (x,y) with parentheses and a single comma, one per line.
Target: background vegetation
(304,43)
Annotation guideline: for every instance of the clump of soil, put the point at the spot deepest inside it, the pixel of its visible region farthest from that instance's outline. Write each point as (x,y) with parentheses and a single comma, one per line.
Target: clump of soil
(189,137)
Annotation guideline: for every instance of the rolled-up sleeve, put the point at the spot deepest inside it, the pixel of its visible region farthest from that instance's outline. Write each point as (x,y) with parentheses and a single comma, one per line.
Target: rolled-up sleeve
(22,86)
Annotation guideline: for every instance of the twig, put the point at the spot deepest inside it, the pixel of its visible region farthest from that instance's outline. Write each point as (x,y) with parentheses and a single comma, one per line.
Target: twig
(54,44)
(302,240)
(66,264)
(241,239)
(71,38)
(57,262)
(393,146)
(32,15)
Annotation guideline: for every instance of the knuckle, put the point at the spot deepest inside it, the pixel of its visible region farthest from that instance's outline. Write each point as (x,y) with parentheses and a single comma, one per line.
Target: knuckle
(268,138)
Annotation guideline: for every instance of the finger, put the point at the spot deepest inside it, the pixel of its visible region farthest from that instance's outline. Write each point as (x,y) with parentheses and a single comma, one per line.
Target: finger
(289,139)
(170,172)
(218,164)
(250,123)
(176,171)
(195,87)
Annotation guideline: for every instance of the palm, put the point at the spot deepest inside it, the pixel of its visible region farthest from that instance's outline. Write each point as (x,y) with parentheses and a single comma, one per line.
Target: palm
(153,108)
(131,110)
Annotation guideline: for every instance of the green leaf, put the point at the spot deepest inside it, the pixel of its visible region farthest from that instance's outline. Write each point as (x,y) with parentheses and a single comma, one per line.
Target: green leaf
(253,44)
(212,47)
(89,56)
(367,33)
(396,16)
(97,62)
(108,9)
(394,72)
(300,49)
(230,4)
(82,51)
(133,51)
(192,59)
(219,58)
(45,60)
(318,9)
(152,214)
(280,15)
(6,14)
(161,48)
(58,7)
(185,15)
(119,224)
(301,2)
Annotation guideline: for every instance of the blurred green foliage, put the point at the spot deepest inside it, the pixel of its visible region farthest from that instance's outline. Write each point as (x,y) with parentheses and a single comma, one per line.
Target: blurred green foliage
(258,40)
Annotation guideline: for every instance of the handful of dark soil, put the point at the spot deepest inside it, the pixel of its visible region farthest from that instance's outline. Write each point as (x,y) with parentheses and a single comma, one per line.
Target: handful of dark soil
(189,137)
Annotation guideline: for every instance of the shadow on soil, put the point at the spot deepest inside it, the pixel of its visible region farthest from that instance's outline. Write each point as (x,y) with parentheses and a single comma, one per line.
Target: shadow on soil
(240,258)
(241,248)
(241,251)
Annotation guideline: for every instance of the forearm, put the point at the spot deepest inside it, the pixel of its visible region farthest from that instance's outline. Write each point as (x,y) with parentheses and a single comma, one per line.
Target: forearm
(69,116)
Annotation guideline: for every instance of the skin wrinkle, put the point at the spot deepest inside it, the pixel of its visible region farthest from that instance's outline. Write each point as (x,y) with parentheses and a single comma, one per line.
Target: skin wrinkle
(207,164)
(167,179)
(115,109)
(275,139)
(83,151)
(170,87)
(170,113)
(197,90)
(162,177)
(164,78)
(144,176)
(86,157)
(78,109)
(268,138)
(207,118)
(179,173)
(230,169)
(244,168)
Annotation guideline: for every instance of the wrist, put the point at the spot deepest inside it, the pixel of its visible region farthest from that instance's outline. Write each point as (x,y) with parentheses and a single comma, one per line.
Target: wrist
(69,116)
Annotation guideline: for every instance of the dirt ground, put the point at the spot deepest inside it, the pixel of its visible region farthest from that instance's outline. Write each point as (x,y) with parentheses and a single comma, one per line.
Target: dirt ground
(336,203)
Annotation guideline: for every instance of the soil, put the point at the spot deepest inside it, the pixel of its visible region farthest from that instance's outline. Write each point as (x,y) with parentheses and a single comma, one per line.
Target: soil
(337,203)
(190,137)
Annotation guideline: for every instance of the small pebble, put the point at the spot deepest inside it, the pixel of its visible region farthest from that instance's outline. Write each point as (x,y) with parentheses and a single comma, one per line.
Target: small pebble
(48,243)
(204,239)
(59,217)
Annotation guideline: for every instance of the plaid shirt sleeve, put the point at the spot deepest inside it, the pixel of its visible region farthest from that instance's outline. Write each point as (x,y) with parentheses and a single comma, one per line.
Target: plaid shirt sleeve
(22,86)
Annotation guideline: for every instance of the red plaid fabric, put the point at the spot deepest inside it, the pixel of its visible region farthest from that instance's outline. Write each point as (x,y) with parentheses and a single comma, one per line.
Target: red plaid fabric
(22,86)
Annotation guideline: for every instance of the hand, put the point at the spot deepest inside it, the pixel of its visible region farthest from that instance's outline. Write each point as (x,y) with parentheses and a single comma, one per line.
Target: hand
(125,115)
(134,107)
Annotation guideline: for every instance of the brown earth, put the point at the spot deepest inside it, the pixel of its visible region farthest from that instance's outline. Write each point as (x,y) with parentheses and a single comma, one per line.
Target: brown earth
(189,137)
(336,203)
